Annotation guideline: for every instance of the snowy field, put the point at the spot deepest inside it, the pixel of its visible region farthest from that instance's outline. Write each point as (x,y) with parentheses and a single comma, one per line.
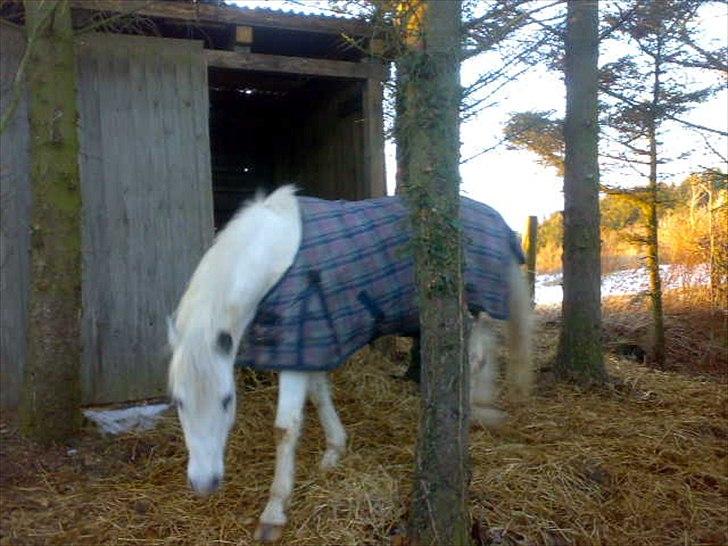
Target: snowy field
(625,282)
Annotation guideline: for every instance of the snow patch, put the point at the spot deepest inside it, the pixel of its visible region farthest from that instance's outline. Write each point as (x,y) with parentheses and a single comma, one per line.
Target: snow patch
(625,282)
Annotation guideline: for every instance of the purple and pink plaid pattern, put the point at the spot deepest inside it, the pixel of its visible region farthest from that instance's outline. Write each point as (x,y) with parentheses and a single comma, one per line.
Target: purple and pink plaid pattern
(353,281)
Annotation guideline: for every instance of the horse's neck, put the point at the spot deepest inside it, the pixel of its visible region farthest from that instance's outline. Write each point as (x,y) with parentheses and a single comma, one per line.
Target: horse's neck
(250,257)
(248,288)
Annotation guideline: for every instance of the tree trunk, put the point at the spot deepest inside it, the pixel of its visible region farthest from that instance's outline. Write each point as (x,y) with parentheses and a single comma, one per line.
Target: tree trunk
(413,371)
(51,389)
(580,344)
(439,514)
(653,258)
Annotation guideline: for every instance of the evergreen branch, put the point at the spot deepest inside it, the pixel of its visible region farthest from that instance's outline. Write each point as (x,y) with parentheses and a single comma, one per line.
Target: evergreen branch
(685,122)
(623,18)
(548,28)
(469,110)
(723,158)
(712,62)
(623,159)
(490,77)
(483,151)
(499,11)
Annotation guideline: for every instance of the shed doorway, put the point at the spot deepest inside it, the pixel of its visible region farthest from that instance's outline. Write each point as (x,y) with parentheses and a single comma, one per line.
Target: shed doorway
(272,129)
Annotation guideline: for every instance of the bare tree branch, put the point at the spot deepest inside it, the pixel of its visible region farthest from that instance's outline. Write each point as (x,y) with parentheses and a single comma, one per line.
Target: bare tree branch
(16,89)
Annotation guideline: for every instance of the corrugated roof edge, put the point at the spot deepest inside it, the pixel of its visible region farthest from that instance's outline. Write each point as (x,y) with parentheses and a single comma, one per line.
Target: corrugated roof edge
(230,14)
(299,13)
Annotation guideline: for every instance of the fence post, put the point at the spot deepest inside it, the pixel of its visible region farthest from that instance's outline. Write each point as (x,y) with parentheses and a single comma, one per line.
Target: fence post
(529,249)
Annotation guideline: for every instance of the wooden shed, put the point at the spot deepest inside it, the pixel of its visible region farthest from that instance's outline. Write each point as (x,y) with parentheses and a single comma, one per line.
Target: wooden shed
(185,109)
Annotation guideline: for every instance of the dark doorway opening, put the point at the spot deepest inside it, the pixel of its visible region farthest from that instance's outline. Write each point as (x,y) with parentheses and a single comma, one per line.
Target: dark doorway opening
(272,129)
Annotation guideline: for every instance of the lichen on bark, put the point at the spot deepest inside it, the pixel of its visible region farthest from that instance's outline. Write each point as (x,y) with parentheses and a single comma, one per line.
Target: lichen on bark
(51,385)
(430,126)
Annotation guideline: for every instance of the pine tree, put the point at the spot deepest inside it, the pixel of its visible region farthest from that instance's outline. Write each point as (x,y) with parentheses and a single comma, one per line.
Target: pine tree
(580,341)
(431,98)
(647,91)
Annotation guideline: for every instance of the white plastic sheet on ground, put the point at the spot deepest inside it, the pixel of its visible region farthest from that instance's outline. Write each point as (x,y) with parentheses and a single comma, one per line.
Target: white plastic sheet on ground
(116,421)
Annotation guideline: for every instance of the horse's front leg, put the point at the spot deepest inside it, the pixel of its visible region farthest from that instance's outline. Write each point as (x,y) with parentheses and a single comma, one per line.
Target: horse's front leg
(292,389)
(320,392)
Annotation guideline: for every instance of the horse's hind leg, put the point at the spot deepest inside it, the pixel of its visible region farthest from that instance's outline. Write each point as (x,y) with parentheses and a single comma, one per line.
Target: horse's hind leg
(483,372)
(292,389)
(320,393)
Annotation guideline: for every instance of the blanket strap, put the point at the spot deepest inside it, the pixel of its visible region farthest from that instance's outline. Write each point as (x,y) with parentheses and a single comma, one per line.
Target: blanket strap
(315,288)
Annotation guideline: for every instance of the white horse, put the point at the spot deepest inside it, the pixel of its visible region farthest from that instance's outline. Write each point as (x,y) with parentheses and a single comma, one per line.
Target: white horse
(246,260)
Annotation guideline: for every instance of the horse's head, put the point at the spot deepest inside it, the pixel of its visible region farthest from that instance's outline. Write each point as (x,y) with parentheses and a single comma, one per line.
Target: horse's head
(202,386)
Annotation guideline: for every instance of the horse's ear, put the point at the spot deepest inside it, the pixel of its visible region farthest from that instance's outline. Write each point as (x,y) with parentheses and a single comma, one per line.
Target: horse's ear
(224,342)
(172,334)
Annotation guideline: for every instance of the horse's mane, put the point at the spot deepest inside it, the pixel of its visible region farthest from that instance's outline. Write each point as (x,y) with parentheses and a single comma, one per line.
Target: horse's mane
(233,275)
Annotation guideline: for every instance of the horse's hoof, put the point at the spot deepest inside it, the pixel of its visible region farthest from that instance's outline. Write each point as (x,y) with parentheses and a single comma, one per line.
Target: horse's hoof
(488,417)
(330,459)
(268,532)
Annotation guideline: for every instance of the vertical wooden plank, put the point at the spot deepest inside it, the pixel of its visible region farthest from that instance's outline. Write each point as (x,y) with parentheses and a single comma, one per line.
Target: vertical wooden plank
(154,199)
(374,173)
(162,212)
(142,324)
(115,135)
(529,249)
(95,266)
(200,111)
(14,223)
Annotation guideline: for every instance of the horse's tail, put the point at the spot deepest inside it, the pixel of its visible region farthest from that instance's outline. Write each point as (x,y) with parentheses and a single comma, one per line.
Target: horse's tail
(520,370)
(481,353)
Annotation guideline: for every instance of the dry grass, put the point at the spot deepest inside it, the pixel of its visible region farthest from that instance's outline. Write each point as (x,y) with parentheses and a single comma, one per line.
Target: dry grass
(639,464)
(696,334)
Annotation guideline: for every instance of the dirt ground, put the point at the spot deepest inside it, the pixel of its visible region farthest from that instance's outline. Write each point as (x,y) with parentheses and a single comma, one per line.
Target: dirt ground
(643,462)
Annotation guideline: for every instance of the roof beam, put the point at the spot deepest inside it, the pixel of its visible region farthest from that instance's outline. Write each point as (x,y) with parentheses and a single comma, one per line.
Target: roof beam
(227,14)
(295,65)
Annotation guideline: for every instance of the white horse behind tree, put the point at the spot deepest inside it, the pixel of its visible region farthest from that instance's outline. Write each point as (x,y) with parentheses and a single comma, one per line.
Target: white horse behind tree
(247,260)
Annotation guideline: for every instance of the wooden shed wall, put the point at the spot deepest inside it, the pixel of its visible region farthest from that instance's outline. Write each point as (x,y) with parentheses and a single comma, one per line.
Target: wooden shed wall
(14,228)
(147,209)
(147,196)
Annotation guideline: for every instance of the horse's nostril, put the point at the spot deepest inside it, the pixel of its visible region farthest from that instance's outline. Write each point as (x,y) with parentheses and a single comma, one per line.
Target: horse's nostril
(215,483)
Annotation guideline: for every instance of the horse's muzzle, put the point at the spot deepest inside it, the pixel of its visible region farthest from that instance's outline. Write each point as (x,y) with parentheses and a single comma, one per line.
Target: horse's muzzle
(205,487)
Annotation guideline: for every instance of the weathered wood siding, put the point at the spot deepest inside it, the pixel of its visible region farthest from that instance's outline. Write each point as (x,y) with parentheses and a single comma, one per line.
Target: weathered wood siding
(147,207)
(147,195)
(14,228)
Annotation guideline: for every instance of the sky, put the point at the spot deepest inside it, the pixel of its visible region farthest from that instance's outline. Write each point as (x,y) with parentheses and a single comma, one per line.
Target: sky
(512,181)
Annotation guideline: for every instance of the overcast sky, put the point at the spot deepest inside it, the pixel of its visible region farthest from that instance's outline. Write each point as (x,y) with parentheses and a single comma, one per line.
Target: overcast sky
(513,182)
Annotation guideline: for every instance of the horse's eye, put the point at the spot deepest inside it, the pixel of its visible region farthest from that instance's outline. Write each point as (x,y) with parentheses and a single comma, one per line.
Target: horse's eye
(226,402)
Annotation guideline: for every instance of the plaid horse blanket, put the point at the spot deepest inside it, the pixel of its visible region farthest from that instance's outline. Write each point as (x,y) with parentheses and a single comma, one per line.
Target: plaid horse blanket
(352,281)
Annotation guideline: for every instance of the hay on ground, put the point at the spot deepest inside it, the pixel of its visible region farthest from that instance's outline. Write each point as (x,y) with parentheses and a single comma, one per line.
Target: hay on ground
(640,464)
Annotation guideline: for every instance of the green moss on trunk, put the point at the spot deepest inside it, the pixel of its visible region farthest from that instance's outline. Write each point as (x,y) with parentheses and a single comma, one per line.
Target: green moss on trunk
(430,127)
(51,389)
